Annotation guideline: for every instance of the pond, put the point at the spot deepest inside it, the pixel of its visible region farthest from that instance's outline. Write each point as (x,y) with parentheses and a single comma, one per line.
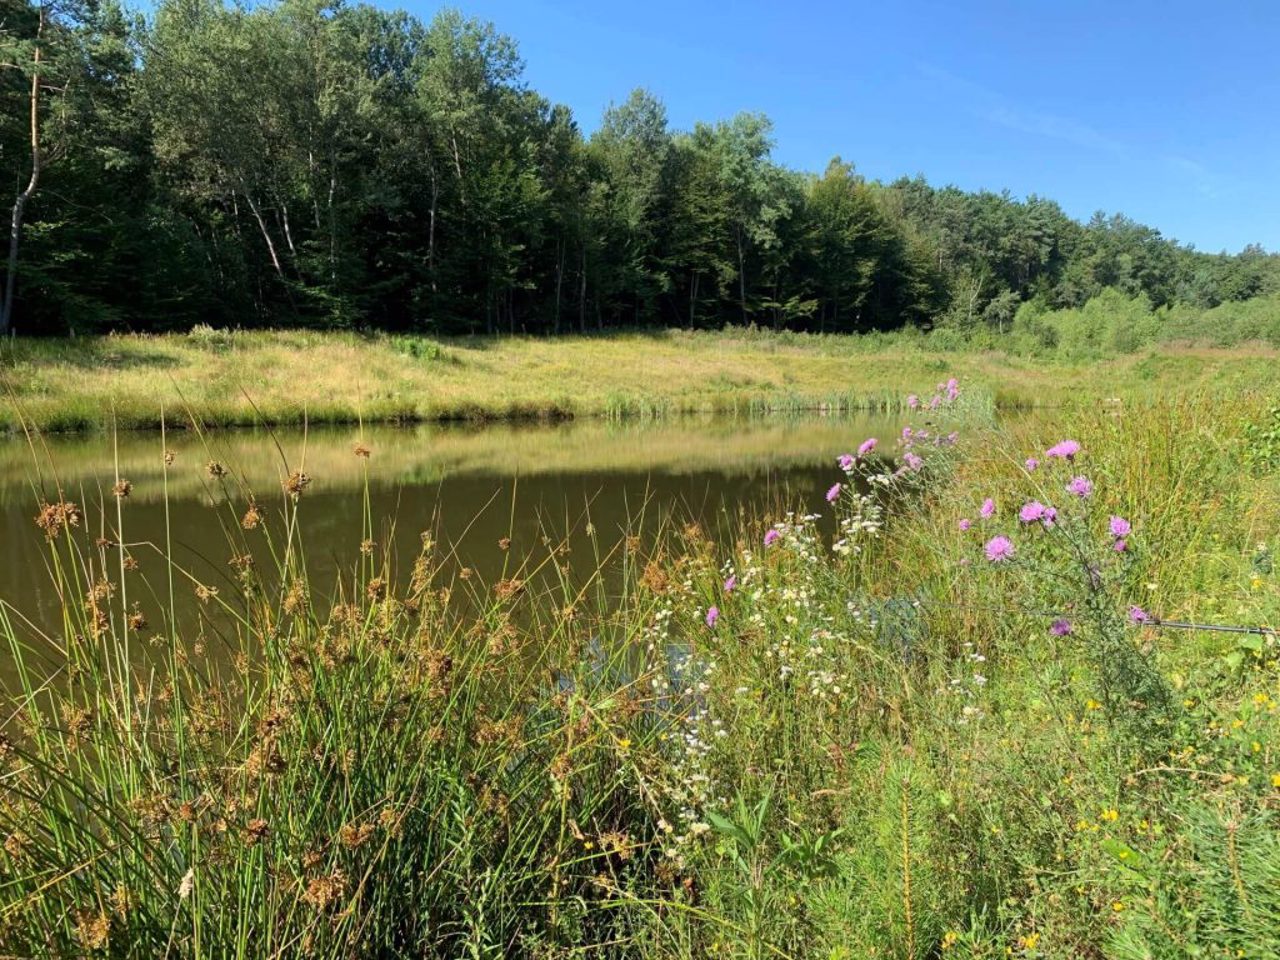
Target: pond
(493,497)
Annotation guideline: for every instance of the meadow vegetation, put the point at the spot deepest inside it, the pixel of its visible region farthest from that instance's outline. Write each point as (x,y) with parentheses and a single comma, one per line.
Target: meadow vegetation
(957,729)
(1119,347)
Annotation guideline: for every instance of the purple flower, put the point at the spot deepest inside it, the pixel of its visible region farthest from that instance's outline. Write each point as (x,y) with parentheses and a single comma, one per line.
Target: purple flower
(999,549)
(772,537)
(1120,546)
(1120,527)
(1060,627)
(833,494)
(1031,464)
(988,509)
(713,614)
(1065,450)
(1050,517)
(965,524)
(953,389)
(912,461)
(731,584)
(934,401)
(846,462)
(1080,486)
(867,446)
(913,401)
(1031,512)
(1138,615)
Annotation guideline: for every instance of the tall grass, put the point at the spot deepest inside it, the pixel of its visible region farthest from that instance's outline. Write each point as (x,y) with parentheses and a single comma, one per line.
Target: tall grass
(873,745)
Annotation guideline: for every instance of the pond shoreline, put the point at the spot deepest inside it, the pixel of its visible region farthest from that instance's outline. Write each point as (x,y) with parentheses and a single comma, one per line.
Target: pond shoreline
(222,379)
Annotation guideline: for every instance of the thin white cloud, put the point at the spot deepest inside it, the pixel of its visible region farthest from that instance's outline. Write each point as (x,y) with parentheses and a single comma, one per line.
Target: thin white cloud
(995,108)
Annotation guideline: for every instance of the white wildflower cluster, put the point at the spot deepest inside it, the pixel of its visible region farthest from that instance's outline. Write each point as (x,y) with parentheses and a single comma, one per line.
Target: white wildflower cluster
(967,684)
(681,682)
(863,521)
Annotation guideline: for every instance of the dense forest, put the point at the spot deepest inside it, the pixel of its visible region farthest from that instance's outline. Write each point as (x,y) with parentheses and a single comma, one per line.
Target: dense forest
(340,165)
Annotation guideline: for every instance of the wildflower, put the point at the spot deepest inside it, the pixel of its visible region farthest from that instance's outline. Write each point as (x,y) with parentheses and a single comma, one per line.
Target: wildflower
(953,389)
(1138,615)
(1060,627)
(1032,511)
(965,524)
(833,494)
(913,461)
(1120,546)
(1080,486)
(1065,450)
(867,446)
(772,537)
(1110,815)
(913,402)
(1120,527)
(713,614)
(999,549)
(1031,464)
(988,509)
(846,461)
(731,584)
(1050,517)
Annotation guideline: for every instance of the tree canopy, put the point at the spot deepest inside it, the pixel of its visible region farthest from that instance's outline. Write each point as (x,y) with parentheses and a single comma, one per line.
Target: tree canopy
(334,164)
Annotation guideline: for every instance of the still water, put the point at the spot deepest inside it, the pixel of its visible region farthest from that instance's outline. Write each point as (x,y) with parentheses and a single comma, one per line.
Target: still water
(493,497)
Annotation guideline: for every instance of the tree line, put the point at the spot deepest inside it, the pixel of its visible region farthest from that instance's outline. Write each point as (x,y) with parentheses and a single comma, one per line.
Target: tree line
(338,165)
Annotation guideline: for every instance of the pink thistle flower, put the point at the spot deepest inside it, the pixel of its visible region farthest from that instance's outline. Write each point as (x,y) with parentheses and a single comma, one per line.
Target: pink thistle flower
(999,549)
(1065,450)
(713,614)
(965,524)
(1031,464)
(1050,517)
(913,402)
(1120,527)
(913,461)
(988,509)
(772,537)
(731,584)
(846,462)
(1138,615)
(1080,486)
(1120,546)
(1060,627)
(1031,512)
(867,446)
(834,493)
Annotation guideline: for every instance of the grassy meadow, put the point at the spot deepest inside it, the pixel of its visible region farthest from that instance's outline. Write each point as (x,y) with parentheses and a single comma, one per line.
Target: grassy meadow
(226,378)
(959,730)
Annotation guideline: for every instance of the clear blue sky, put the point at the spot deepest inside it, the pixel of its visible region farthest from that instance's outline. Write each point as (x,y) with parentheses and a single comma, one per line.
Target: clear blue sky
(1167,111)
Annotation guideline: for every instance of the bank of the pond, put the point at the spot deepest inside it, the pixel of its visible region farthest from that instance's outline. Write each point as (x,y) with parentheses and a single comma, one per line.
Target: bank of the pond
(279,377)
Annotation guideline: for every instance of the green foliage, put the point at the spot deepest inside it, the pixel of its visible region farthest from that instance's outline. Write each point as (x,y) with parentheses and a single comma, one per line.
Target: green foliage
(372,169)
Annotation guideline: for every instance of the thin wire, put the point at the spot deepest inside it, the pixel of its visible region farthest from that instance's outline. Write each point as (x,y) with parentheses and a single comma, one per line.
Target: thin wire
(1152,621)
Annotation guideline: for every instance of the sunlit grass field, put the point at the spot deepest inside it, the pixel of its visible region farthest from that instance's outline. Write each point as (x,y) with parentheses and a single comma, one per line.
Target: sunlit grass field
(226,378)
(955,731)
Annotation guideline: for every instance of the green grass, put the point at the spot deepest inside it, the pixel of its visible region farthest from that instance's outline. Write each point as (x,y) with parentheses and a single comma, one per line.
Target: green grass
(875,751)
(241,378)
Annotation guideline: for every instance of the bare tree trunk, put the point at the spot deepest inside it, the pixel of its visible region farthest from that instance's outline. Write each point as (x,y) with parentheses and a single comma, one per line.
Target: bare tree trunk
(20,203)
(266,235)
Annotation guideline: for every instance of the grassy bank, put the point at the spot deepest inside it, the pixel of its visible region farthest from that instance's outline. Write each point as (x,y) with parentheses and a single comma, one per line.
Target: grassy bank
(284,377)
(922,741)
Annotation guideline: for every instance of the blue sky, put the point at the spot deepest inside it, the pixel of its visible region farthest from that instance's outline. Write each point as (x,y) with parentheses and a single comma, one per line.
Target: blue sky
(1165,111)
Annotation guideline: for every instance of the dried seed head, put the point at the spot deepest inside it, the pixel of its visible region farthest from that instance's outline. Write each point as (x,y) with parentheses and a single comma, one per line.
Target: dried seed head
(252,517)
(295,483)
(215,470)
(360,450)
(122,489)
(53,517)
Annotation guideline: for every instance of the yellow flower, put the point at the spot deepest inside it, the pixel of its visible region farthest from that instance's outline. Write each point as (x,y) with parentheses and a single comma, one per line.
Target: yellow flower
(1275,779)
(624,743)
(1117,905)
(1092,704)
(1111,816)
(949,939)
(1030,941)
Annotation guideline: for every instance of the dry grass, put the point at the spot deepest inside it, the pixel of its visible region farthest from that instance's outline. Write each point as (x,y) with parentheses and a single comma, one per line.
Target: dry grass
(286,377)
